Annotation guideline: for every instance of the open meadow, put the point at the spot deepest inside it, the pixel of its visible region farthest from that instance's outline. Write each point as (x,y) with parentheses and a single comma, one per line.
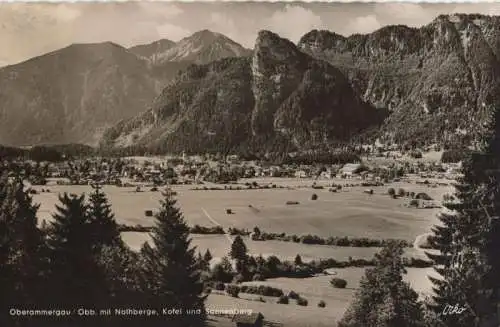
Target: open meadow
(314,289)
(349,212)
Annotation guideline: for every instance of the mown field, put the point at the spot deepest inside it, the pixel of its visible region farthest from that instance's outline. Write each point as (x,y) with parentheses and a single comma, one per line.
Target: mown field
(350,212)
(314,290)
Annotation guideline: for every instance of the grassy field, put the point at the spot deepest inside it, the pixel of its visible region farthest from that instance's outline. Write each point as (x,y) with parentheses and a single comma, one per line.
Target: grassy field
(219,247)
(347,213)
(314,290)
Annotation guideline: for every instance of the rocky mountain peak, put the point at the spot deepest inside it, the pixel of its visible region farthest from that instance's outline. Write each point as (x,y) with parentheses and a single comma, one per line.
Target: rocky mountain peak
(271,49)
(203,47)
(152,50)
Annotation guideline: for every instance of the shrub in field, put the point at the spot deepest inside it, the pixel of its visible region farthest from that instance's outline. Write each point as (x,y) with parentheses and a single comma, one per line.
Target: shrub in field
(391,191)
(401,192)
(338,283)
(414,203)
(303,302)
(283,300)
(322,304)
(293,295)
(219,286)
(261,290)
(238,279)
(314,197)
(233,290)
(258,277)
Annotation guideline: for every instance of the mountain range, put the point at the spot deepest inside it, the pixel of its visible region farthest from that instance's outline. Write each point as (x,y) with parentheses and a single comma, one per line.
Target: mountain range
(73,94)
(434,84)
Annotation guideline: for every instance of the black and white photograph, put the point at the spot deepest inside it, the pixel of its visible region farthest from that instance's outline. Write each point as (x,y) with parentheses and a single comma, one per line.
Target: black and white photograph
(249,164)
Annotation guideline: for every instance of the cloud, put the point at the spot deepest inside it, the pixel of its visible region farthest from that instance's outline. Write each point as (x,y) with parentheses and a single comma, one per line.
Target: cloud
(485,8)
(243,31)
(293,22)
(28,30)
(409,14)
(362,25)
(172,32)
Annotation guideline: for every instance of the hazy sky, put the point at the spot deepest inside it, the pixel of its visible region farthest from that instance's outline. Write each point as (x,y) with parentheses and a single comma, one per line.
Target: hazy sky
(31,29)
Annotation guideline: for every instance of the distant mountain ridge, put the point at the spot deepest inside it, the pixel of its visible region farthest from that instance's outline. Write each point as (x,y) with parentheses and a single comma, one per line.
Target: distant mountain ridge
(73,94)
(440,81)
(278,97)
(416,86)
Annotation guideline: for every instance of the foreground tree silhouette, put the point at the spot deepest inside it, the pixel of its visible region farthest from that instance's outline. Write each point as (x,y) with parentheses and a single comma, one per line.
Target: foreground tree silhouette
(103,224)
(171,270)
(468,239)
(384,299)
(21,249)
(75,277)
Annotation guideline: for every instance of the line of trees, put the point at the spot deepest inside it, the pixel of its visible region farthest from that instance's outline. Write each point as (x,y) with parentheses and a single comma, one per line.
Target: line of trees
(78,260)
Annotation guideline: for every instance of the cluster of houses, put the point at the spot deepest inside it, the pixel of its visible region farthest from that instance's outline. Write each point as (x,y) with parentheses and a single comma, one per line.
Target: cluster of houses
(198,169)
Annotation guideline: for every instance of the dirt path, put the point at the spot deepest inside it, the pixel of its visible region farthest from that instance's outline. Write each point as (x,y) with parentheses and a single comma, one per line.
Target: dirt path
(418,240)
(217,224)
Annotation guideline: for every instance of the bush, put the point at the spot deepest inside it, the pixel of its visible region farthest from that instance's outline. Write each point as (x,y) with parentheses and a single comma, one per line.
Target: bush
(314,197)
(321,304)
(293,295)
(414,203)
(391,191)
(401,192)
(338,283)
(261,290)
(303,302)
(219,286)
(233,290)
(258,278)
(238,279)
(283,300)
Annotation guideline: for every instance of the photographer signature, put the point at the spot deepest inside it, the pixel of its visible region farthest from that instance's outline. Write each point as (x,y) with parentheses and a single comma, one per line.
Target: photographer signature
(453,310)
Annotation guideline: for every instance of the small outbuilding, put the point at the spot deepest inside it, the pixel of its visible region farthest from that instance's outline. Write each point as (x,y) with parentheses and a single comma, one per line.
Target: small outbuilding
(251,320)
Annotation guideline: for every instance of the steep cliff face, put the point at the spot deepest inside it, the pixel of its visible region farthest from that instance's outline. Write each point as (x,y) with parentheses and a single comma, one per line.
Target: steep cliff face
(439,81)
(280,94)
(306,100)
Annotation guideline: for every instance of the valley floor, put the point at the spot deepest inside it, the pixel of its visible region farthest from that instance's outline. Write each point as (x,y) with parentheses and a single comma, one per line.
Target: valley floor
(350,212)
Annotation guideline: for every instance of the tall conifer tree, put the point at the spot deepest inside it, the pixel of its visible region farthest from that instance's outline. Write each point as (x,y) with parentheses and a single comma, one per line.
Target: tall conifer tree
(384,299)
(468,239)
(102,220)
(170,267)
(75,275)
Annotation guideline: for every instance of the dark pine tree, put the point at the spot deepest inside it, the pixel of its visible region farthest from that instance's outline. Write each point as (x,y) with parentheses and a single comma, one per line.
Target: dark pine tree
(239,253)
(468,238)
(298,260)
(75,275)
(171,270)
(21,248)
(207,257)
(7,288)
(239,250)
(384,299)
(102,220)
